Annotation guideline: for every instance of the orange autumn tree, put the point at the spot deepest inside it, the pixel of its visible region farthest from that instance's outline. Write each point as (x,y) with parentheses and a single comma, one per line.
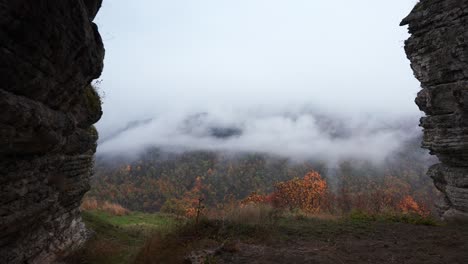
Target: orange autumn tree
(409,205)
(193,197)
(308,194)
(188,204)
(255,198)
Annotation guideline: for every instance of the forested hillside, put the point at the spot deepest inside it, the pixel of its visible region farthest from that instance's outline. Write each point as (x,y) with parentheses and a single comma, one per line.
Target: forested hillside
(174,182)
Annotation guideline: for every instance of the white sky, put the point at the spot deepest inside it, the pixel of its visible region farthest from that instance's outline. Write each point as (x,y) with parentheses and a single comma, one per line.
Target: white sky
(222,55)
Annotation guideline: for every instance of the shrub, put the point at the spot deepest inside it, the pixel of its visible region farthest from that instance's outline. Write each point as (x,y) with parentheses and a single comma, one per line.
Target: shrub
(256,214)
(91,204)
(93,100)
(175,206)
(114,209)
(308,194)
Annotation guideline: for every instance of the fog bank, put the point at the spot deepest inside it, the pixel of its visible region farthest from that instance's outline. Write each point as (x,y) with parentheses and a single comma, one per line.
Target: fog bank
(296,134)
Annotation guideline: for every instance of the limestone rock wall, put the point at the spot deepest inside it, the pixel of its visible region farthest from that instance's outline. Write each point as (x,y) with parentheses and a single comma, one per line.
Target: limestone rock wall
(438,51)
(50,51)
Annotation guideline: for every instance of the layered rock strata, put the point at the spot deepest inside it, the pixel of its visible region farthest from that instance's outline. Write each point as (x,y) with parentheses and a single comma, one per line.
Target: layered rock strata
(50,51)
(438,51)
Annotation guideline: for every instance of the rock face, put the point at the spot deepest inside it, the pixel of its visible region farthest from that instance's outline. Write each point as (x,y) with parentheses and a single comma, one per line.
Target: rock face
(438,51)
(50,51)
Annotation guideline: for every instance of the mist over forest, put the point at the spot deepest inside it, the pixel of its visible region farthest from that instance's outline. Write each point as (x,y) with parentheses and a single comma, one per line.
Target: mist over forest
(299,93)
(154,164)
(297,134)
(278,110)
(232,132)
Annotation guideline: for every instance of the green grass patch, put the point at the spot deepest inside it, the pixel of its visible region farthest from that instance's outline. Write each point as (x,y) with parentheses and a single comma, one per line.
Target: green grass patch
(117,239)
(144,238)
(134,221)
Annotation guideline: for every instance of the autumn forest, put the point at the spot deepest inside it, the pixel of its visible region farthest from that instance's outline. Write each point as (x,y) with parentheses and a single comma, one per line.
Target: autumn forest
(180,183)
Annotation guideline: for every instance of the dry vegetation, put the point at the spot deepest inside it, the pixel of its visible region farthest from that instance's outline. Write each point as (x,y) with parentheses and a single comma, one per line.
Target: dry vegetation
(282,226)
(309,195)
(258,232)
(91,204)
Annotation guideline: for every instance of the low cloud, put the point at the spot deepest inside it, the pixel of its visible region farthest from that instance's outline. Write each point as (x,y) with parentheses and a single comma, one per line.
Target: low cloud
(293,133)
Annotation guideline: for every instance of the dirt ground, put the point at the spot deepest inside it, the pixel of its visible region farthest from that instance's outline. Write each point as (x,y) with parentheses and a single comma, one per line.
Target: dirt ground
(379,243)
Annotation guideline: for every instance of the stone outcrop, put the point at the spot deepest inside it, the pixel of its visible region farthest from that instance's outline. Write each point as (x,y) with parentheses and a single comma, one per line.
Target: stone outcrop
(438,51)
(50,51)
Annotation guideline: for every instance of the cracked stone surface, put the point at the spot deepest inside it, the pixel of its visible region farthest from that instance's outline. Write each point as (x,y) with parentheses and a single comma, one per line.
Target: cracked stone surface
(50,51)
(438,51)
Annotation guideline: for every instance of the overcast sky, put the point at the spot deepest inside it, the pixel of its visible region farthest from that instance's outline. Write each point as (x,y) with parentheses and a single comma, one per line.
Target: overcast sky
(341,56)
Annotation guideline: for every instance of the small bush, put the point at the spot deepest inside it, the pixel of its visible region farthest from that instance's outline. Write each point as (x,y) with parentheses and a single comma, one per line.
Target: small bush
(93,100)
(256,214)
(93,131)
(91,204)
(114,209)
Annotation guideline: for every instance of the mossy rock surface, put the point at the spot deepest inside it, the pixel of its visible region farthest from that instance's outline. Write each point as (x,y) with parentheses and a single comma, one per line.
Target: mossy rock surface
(93,100)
